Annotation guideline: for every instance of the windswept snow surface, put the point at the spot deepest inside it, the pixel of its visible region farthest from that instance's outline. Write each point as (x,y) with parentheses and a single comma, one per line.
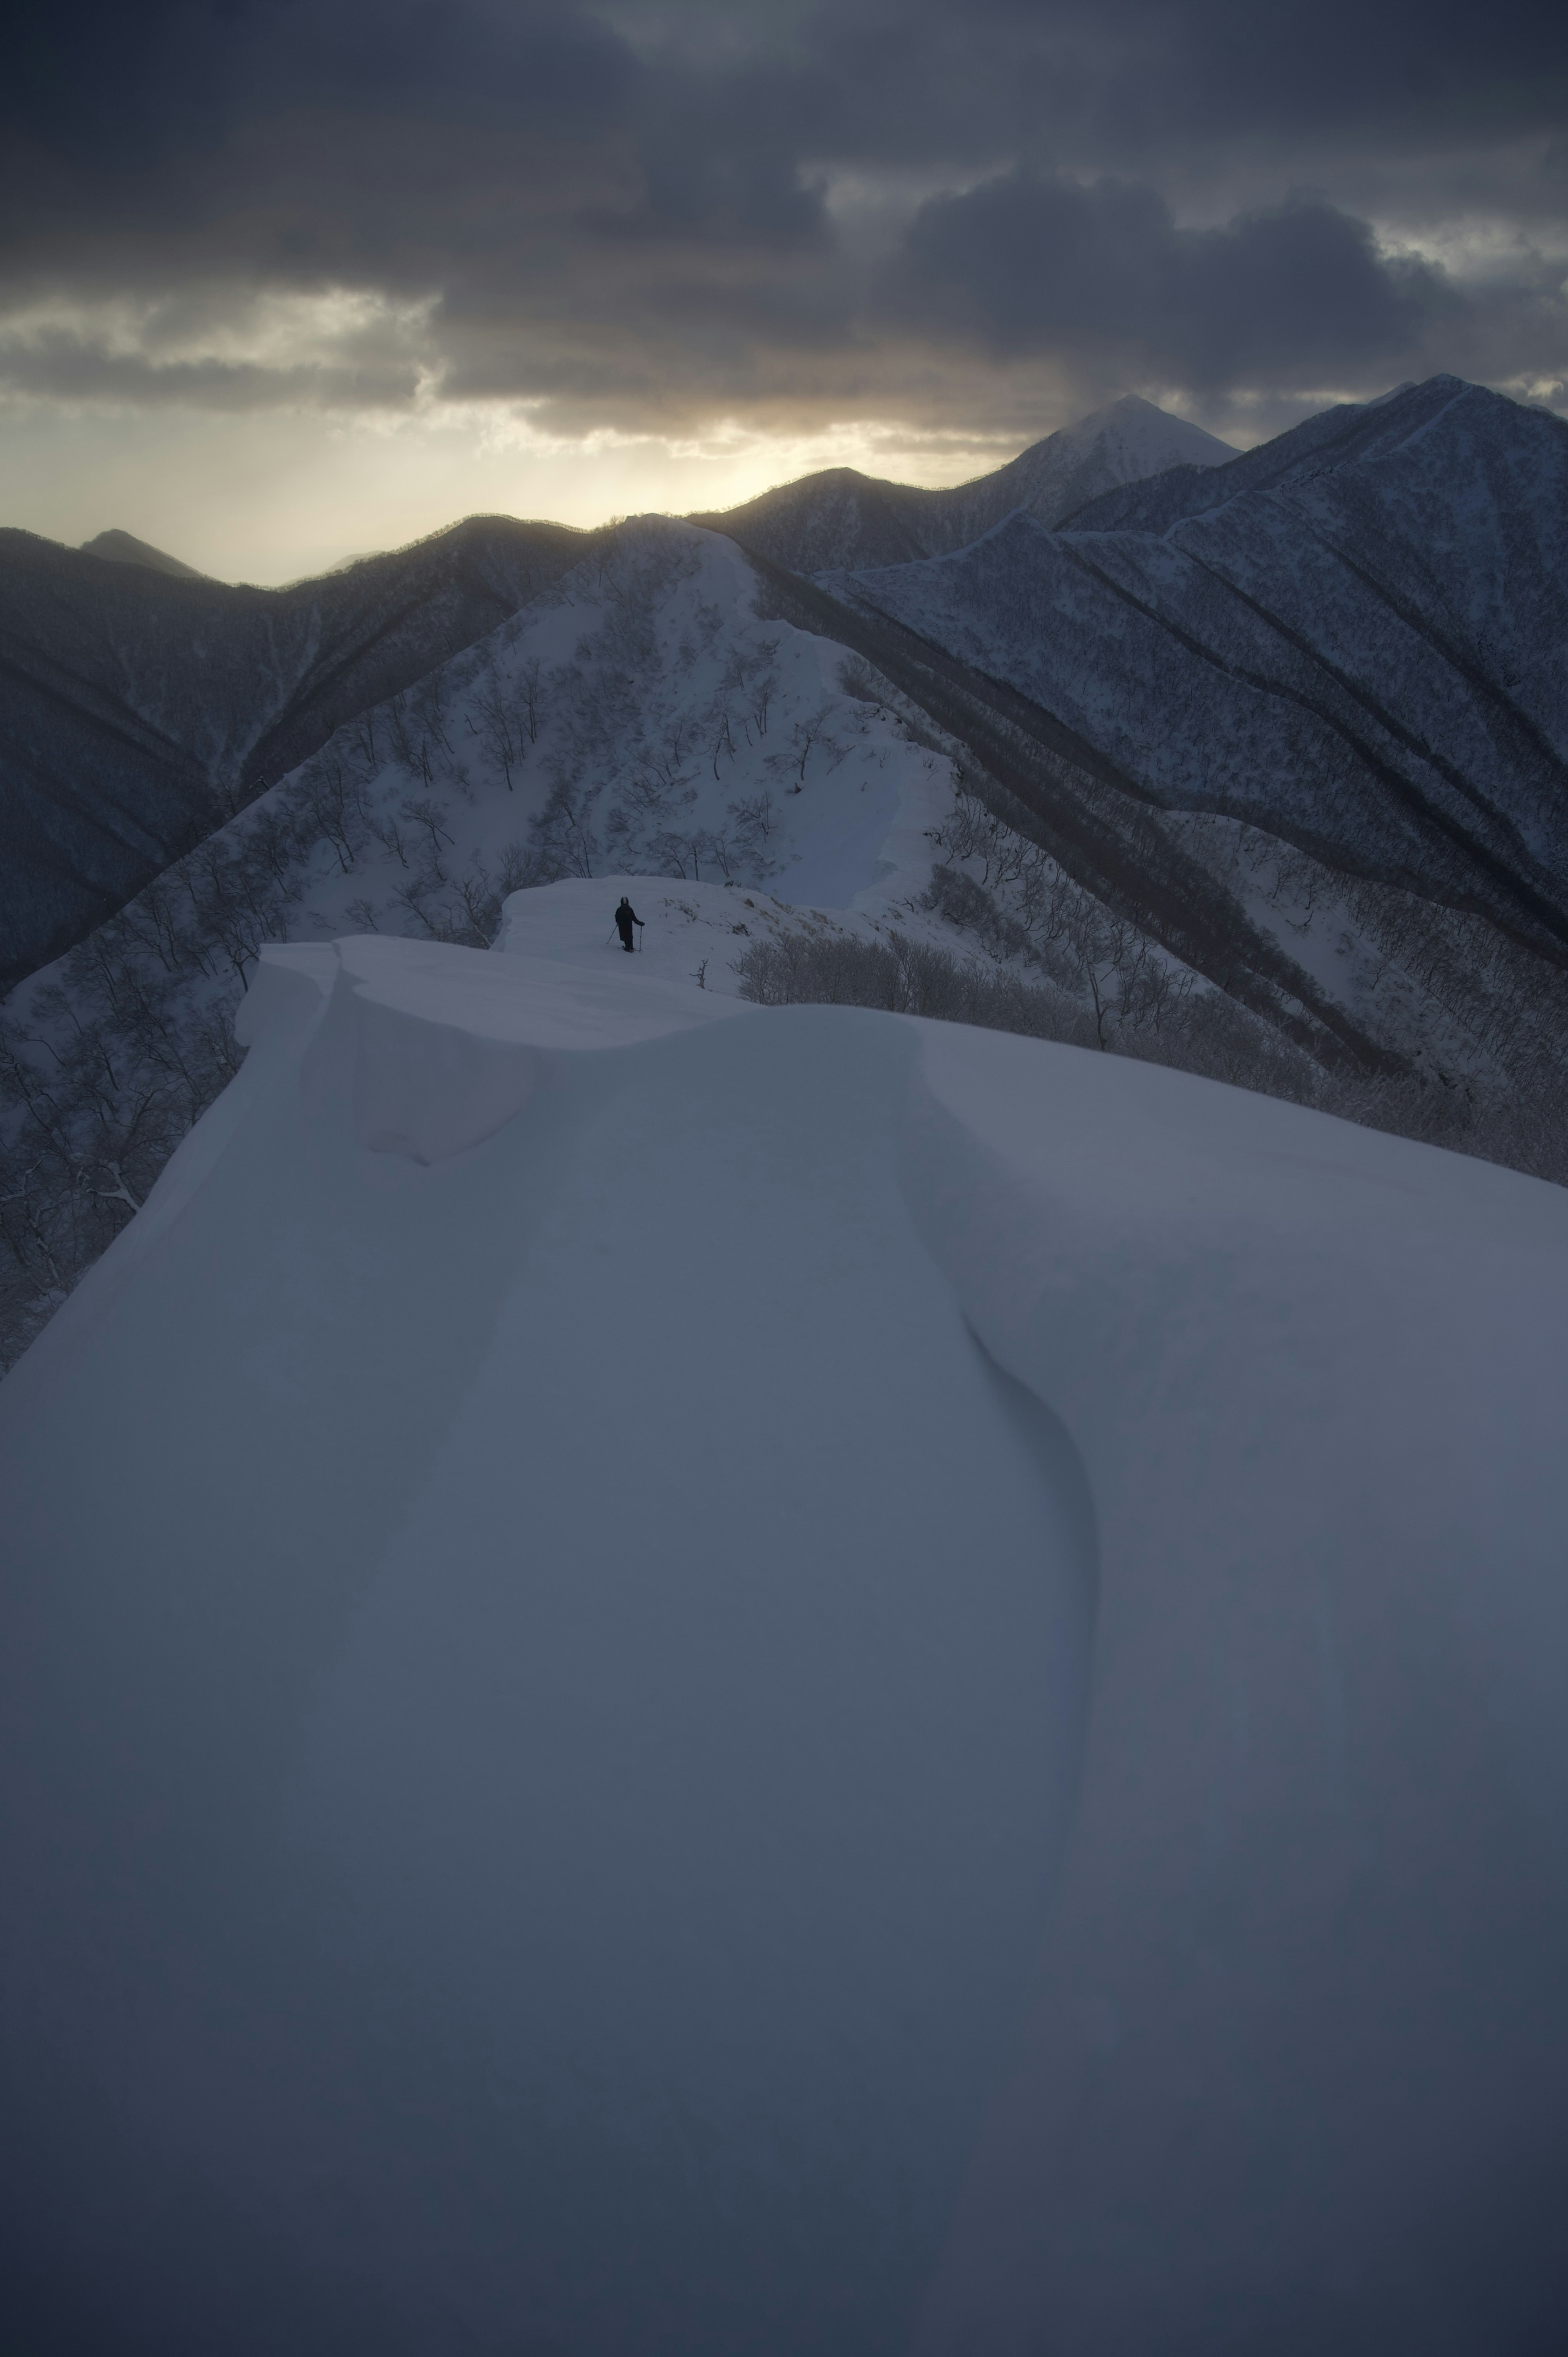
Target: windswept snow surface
(683,1679)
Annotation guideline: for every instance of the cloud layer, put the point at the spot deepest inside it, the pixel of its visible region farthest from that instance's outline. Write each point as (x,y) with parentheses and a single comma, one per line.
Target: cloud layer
(647,217)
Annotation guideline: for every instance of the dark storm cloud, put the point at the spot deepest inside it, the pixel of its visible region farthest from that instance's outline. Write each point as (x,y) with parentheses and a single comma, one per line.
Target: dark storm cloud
(127,83)
(68,366)
(68,370)
(1025,263)
(1116,79)
(626,214)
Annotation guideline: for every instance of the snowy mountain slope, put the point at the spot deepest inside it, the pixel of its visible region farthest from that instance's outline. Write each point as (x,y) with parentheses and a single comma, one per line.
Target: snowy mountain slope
(124,548)
(1361,976)
(133,720)
(1356,642)
(676,719)
(636,718)
(639,717)
(841,517)
(1126,442)
(547,1674)
(138,710)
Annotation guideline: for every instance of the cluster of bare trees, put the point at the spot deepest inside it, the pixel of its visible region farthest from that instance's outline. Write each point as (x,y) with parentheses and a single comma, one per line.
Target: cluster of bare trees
(1443,985)
(633,757)
(903,977)
(509,714)
(119,1056)
(1203,1032)
(1052,923)
(1503,1006)
(1209,1035)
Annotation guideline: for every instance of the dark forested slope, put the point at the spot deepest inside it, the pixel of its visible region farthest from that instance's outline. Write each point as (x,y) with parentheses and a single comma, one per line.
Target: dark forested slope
(1356,637)
(124,548)
(140,709)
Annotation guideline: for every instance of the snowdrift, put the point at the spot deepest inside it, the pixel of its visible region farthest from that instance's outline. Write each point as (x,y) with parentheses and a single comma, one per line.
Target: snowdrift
(688,1679)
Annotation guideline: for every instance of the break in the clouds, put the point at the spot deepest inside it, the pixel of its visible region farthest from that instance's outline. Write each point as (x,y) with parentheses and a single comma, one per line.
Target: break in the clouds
(645,219)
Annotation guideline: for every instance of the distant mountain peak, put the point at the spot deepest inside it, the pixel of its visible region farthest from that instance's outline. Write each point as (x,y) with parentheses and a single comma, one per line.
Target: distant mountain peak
(840,518)
(1127,405)
(124,548)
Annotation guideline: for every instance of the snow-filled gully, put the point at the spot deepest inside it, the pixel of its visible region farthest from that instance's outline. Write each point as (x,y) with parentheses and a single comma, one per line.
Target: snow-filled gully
(691,1679)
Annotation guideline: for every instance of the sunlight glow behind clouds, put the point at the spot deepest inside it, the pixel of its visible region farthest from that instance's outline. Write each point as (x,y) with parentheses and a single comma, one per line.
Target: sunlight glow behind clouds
(270,495)
(400,264)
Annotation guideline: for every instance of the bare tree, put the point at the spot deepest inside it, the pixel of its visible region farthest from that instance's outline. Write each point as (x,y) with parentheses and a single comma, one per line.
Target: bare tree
(804,735)
(499,728)
(530,696)
(432,816)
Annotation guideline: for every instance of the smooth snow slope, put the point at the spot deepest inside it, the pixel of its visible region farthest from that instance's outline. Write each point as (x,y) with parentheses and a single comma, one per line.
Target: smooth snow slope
(585,1656)
(547,1669)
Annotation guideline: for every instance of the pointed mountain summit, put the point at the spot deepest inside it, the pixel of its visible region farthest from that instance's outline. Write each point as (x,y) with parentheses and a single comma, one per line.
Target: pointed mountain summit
(124,548)
(1353,642)
(842,518)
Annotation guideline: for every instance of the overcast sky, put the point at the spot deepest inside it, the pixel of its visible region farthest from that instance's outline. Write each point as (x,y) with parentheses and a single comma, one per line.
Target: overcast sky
(284,280)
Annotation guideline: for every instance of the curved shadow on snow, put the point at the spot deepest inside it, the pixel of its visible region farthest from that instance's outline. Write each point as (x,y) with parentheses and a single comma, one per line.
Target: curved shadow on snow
(1302,1989)
(548,1690)
(592,1706)
(1069,1550)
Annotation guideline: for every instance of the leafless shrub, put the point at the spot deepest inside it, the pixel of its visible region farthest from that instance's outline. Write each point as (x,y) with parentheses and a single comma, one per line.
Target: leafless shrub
(858,678)
(498,728)
(903,977)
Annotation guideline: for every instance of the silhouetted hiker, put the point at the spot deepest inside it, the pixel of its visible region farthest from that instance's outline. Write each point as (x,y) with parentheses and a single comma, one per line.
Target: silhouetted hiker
(626,917)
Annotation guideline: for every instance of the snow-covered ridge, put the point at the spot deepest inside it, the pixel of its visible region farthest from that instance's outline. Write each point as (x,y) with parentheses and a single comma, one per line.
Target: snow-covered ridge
(142,704)
(842,518)
(637,717)
(599,1570)
(431,1050)
(656,720)
(1349,639)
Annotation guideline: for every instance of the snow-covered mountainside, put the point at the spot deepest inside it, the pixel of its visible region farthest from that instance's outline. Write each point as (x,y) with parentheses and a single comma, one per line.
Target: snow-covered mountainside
(136,714)
(676,718)
(841,517)
(688,1678)
(1323,685)
(638,717)
(139,710)
(1354,636)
